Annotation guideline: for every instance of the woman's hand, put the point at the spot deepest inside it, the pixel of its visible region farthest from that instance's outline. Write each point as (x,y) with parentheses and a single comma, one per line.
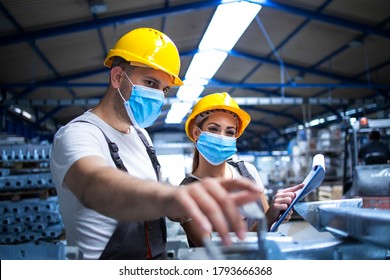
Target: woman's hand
(281,202)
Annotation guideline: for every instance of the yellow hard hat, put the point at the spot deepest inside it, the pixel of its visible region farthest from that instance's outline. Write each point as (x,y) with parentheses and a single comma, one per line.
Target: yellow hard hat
(149,47)
(215,101)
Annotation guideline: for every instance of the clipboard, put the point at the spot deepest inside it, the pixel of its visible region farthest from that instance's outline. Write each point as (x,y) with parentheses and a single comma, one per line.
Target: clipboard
(312,181)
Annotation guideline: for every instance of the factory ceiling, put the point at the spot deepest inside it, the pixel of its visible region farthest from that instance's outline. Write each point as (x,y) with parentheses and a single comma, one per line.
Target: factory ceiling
(299,63)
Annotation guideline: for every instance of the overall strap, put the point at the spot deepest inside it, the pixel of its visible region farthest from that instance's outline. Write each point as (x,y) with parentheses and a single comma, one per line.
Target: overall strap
(141,233)
(113,149)
(151,152)
(187,180)
(240,165)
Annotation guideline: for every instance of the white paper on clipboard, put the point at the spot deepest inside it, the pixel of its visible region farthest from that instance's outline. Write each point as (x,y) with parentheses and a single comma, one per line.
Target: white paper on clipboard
(312,181)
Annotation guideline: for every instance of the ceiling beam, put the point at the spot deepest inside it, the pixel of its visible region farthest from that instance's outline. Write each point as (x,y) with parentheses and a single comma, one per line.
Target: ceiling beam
(103,22)
(166,11)
(292,66)
(361,28)
(212,84)
(242,101)
(63,81)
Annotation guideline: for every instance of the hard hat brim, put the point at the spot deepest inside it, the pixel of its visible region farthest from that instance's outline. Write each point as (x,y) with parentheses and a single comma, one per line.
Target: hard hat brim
(244,119)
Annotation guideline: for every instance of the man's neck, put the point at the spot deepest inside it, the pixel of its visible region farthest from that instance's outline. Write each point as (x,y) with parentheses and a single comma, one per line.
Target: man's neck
(105,111)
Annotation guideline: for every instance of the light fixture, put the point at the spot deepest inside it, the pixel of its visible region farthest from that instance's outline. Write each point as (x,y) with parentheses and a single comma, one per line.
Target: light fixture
(27,115)
(177,112)
(229,22)
(355,43)
(198,70)
(97,6)
(21,112)
(17,110)
(189,93)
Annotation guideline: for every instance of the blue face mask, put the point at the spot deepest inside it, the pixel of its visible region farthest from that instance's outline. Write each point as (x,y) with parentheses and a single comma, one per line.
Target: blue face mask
(144,105)
(216,148)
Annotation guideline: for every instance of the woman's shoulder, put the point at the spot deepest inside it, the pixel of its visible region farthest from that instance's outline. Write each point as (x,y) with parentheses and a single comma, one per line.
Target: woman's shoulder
(250,166)
(189,179)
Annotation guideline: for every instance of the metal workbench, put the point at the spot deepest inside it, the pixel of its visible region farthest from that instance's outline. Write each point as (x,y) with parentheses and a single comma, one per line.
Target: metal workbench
(338,230)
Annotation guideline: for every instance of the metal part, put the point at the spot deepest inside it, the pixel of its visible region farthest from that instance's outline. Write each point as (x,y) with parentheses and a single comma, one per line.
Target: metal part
(365,224)
(324,249)
(309,210)
(332,249)
(32,251)
(247,249)
(355,233)
(345,218)
(30,220)
(370,180)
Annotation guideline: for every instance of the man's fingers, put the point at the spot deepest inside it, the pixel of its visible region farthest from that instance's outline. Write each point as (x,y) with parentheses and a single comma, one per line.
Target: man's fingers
(230,210)
(217,202)
(188,208)
(208,196)
(241,184)
(213,204)
(241,198)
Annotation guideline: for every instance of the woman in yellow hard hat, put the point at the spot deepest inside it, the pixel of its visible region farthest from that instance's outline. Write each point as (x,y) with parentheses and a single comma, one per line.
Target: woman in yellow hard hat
(214,124)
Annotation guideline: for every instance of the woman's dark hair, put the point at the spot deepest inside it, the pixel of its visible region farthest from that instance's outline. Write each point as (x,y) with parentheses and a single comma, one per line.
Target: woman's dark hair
(195,159)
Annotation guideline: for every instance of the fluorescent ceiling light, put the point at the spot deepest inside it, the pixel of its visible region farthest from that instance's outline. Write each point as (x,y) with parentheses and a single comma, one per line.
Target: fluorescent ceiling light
(229,22)
(331,118)
(198,74)
(205,64)
(17,110)
(177,112)
(189,93)
(26,115)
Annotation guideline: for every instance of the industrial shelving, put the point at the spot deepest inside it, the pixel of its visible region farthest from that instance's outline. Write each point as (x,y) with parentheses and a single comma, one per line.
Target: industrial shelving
(28,200)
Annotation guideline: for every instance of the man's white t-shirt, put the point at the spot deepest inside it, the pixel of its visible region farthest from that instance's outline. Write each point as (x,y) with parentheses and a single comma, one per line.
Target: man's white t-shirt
(86,228)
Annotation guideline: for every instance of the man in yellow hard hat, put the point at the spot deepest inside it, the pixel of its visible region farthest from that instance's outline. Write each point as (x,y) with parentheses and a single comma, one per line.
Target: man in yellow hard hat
(106,172)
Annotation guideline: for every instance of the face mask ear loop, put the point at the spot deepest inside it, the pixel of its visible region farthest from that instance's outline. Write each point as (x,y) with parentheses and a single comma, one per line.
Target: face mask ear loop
(128,78)
(120,90)
(199,131)
(121,95)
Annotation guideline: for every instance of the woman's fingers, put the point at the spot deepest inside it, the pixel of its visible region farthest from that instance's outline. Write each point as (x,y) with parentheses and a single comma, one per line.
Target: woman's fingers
(294,188)
(288,216)
(282,200)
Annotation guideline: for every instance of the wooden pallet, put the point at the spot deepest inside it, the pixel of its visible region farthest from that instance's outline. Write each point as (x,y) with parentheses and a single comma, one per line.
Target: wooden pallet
(381,202)
(30,193)
(21,165)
